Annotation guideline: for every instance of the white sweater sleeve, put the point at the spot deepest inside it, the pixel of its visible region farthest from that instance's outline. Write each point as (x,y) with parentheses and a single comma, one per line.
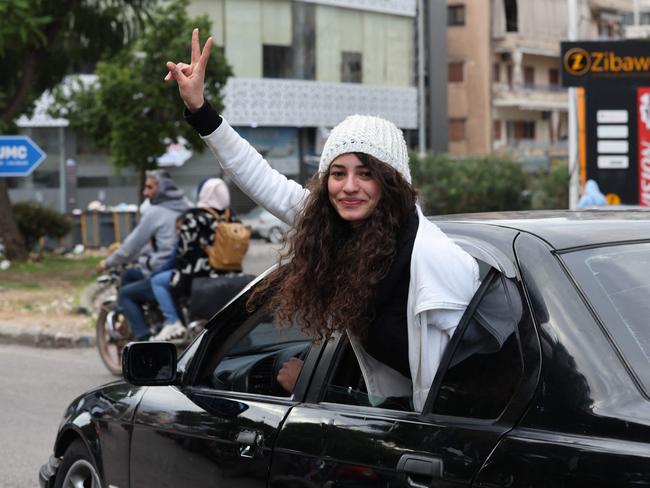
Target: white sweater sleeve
(272,190)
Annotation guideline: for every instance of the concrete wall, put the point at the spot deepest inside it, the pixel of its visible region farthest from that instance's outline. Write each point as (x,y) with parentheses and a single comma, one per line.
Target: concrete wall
(471,99)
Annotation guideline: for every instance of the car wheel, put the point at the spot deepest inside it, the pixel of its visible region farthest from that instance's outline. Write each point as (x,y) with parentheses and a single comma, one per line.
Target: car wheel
(276,236)
(77,469)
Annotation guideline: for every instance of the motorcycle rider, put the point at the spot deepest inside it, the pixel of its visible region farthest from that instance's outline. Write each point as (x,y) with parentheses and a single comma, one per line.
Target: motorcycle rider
(196,230)
(157,227)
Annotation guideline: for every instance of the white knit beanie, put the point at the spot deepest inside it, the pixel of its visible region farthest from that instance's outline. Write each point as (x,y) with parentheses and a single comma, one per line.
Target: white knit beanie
(369,135)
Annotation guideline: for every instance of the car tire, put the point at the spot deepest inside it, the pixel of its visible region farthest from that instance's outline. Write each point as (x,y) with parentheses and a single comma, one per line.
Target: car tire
(276,236)
(77,468)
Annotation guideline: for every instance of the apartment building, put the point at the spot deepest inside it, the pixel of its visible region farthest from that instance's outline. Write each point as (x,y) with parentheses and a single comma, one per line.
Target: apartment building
(300,67)
(504,72)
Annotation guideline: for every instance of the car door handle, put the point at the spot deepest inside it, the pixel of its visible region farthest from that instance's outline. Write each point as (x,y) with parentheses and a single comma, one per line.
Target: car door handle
(420,470)
(249,442)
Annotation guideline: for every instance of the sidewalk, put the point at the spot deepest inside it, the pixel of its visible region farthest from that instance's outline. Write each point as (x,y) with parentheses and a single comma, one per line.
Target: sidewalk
(260,256)
(43,337)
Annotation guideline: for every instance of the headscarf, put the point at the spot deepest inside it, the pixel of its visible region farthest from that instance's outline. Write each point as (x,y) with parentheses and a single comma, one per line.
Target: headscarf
(214,194)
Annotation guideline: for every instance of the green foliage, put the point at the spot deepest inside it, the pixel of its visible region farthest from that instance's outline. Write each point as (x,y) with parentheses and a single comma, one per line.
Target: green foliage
(550,189)
(43,40)
(130,111)
(450,186)
(20,25)
(35,222)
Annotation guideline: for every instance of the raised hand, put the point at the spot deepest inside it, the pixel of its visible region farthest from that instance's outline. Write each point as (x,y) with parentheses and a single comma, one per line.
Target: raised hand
(190,77)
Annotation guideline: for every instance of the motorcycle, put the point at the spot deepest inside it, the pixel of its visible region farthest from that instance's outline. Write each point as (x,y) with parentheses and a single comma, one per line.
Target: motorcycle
(113,331)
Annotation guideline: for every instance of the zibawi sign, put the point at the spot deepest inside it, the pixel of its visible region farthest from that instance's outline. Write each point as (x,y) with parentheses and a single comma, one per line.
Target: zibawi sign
(19,156)
(601,63)
(643,103)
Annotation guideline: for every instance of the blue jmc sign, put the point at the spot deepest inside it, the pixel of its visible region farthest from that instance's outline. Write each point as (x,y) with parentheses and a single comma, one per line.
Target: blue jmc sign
(19,156)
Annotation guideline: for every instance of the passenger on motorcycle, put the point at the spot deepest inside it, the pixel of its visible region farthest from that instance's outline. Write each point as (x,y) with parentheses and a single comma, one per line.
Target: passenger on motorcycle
(157,228)
(197,230)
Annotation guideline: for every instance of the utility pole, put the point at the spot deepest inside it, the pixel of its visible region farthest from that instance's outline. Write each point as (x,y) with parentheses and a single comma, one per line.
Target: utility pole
(422,112)
(574,176)
(438,125)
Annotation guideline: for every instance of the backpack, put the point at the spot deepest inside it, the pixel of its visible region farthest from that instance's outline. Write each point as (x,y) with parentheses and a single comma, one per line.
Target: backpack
(230,244)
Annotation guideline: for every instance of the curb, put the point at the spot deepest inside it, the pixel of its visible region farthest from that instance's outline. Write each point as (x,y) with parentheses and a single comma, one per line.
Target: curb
(36,337)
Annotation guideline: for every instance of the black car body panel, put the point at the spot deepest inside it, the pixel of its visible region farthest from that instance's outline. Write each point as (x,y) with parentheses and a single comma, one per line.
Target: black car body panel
(574,414)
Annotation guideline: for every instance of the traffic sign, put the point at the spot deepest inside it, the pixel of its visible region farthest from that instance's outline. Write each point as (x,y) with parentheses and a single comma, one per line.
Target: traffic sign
(19,156)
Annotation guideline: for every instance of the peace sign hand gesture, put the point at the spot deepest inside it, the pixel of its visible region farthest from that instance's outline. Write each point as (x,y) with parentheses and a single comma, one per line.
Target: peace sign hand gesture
(190,77)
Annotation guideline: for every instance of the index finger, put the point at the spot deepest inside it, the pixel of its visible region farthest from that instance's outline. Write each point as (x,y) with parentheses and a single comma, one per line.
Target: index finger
(196,53)
(205,55)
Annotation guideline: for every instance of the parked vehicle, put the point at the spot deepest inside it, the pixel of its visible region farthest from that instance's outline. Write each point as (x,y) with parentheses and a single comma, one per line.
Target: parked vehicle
(546,382)
(265,225)
(112,331)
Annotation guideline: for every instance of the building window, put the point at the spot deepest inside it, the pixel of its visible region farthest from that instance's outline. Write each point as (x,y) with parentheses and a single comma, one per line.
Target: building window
(521,130)
(455,73)
(456,15)
(496,72)
(276,61)
(496,129)
(456,130)
(509,74)
(351,67)
(511,15)
(529,76)
(554,77)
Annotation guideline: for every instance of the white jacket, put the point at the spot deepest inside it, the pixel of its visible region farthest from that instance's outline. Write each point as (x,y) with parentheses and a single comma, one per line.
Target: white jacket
(443,277)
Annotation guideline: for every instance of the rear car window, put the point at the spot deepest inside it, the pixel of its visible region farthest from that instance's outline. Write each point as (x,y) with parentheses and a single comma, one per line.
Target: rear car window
(616,281)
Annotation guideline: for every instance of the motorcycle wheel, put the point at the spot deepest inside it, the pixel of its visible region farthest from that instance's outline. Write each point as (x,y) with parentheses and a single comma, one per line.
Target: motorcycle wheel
(109,348)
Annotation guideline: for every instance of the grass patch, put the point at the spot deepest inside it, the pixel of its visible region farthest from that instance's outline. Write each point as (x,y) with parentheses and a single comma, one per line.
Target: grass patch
(21,285)
(50,271)
(49,264)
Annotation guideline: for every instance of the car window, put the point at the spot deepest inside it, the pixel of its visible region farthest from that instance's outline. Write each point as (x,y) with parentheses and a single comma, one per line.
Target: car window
(615,281)
(488,346)
(253,356)
(346,385)
(486,363)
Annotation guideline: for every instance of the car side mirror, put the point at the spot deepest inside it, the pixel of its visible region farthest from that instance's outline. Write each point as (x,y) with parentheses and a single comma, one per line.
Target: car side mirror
(149,363)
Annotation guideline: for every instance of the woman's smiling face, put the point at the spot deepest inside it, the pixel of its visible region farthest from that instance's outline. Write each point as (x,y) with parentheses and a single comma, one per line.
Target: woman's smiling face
(353,191)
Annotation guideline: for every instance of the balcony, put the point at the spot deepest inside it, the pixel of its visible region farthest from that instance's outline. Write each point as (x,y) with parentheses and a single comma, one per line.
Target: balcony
(506,42)
(530,97)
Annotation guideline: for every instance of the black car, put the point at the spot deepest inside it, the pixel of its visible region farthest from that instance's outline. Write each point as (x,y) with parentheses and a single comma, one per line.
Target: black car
(546,382)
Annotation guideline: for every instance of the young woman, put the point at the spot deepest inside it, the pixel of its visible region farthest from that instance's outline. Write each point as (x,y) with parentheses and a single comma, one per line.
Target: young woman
(364,259)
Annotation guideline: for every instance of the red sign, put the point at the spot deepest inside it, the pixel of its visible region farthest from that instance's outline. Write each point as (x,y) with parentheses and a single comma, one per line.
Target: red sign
(643,101)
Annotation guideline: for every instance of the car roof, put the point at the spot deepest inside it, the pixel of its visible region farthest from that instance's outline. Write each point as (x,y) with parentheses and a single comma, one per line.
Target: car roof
(561,229)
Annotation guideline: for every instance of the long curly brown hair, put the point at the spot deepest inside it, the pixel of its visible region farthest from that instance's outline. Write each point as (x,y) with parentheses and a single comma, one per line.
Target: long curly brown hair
(331,270)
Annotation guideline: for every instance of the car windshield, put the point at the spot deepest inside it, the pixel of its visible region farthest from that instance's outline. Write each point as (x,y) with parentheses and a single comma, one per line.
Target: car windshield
(616,280)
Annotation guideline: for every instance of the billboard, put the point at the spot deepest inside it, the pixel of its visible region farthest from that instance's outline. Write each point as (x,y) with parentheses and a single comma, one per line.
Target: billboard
(613,114)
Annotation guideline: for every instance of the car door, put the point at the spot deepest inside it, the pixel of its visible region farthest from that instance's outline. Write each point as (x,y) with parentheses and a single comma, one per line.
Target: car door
(218,429)
(487,377)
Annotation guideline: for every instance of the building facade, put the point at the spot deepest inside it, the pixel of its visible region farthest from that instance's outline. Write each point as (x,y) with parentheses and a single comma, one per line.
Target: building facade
(504,73)
(299,67)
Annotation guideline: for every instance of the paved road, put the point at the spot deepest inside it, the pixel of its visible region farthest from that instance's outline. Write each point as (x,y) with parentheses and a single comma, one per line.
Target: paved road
(36,385)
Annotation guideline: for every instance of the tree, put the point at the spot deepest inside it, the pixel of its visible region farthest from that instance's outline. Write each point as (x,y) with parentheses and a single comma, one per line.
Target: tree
(470,184)
(40,42)
(130,111)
